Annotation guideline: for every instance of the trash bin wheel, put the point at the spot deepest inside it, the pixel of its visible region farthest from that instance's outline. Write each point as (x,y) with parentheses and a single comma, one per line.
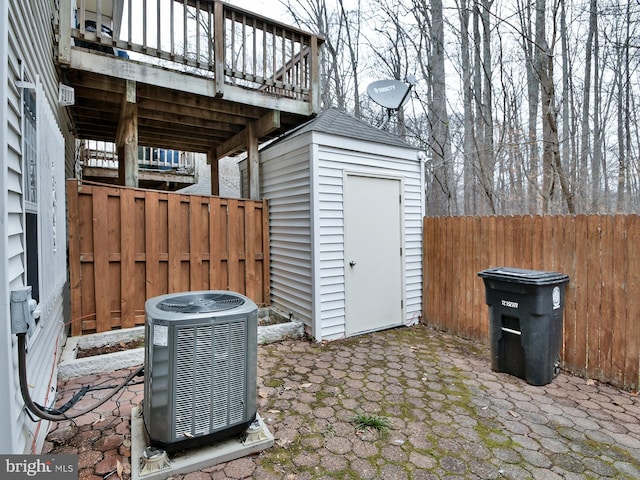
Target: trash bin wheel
(556,367)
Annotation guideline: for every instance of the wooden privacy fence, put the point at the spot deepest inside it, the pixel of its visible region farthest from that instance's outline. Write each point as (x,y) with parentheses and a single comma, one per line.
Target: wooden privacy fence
(601,255)
(127,245)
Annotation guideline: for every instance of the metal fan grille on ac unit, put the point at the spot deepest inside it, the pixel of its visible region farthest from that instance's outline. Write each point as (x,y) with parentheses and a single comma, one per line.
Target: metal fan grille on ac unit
(210,378)
(202,303)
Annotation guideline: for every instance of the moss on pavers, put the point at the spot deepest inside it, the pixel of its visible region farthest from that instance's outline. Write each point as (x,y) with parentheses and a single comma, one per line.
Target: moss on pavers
(449,415)
(400,393)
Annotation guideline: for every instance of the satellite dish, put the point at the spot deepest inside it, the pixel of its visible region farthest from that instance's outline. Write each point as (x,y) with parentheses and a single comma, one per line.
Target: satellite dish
(390,94)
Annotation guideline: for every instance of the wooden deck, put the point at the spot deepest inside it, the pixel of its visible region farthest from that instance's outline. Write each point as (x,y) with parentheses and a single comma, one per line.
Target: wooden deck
(190,75)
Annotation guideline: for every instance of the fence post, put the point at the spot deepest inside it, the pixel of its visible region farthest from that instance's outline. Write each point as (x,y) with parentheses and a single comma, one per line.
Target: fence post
(75,280)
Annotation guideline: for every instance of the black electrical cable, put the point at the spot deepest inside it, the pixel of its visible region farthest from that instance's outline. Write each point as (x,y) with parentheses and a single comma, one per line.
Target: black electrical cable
(36,409)
(60,410)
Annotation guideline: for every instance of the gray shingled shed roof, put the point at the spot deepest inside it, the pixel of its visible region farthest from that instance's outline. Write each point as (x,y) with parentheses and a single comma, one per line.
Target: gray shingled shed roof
(336,122)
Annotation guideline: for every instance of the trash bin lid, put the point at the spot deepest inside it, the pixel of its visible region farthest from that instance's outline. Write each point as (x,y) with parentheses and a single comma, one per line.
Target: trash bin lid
(520,275)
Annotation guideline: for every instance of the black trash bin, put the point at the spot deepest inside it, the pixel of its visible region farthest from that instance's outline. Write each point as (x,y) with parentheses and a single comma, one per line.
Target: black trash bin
(525,316)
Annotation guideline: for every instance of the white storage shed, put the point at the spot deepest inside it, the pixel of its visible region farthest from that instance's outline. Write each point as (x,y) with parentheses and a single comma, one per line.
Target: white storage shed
(345,214)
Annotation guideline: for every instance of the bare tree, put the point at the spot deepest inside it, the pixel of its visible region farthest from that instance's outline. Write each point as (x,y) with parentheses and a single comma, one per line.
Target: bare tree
(484,100)
(389,44)
(352,30)
(442,195)
(551,126)
(468,149)
(315,16)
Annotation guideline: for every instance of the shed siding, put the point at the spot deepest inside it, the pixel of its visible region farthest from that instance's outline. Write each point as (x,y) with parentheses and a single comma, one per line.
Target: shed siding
(284,178)
(28,46)
(334,157)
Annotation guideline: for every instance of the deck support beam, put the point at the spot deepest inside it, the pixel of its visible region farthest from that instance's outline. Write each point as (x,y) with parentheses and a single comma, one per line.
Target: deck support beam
(261,127)
(127,138)
(247,139)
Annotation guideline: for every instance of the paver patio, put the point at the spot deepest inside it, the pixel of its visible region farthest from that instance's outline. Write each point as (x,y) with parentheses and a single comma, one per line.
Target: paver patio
(450,417)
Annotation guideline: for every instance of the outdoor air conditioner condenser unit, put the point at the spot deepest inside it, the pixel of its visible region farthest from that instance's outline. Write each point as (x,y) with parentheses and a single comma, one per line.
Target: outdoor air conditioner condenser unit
(200,367)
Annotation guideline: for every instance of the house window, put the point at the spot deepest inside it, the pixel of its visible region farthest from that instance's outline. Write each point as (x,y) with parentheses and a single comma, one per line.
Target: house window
(30,156)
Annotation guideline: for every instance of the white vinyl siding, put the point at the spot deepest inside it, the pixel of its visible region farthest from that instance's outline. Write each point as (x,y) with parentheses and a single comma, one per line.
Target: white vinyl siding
(27,45)
(51,202)
(285,183)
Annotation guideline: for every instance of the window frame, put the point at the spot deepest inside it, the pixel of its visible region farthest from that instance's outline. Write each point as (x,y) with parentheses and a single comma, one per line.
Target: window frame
(31,185)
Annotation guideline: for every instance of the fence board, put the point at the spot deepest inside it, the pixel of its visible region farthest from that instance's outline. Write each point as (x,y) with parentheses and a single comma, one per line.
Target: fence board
(74,253)
(632,336)
(217,242)
(606,296)
(593,292)
(151,237)
(442,271)
(472,256)
(618,300)
(447,312)
(459,247)
(195,244)
(266,254)
(482,261)
(601,335)
(580,286)
(250,250)
(508,243)
(127,261)
(128,245)
(537,243)
(236,238)
(427,245)
(101,260)
(571,336)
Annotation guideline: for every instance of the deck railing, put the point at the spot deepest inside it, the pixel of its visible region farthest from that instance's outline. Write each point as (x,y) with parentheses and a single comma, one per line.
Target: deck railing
(203,37)
(102,154)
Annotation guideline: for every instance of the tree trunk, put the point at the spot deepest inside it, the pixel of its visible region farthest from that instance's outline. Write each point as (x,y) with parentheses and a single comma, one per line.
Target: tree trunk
(568,161)
(533,94)
(488,155)
(440,143)
(469,153)
(597,182)
(585,137)
(352,47)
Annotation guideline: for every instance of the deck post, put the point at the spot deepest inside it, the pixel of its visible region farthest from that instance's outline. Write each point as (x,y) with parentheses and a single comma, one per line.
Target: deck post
(253,163)
(314,95)
(64,32)
(127,138)
(218,47)
(214,163)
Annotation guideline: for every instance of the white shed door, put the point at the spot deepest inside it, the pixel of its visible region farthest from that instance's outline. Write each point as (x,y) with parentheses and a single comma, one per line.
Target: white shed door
(373,256)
